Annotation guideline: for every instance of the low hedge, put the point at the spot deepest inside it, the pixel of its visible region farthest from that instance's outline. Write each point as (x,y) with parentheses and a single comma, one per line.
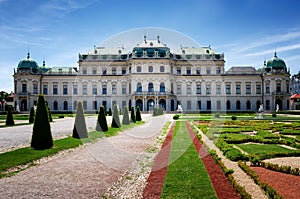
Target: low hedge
(269,191)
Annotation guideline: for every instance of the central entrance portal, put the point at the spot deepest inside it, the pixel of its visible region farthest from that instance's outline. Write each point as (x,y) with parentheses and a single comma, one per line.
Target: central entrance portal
(150,105)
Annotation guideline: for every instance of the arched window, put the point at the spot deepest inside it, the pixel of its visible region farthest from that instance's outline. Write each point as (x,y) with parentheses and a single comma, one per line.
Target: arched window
(162,87)
(150,69)
(65,105)
(258,103)
(248,105)
(150,87)
(139,69)
(228,105)
(139,87)
(55,105)
(238,105)
(74,105)
(162,69)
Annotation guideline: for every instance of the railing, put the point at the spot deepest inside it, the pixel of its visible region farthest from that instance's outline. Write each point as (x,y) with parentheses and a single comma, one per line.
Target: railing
(152,93)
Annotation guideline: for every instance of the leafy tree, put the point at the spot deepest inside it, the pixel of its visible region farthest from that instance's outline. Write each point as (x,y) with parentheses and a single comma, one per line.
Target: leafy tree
(31,115)
(115,120)
(79,130)
(125,120)
(132,116)
(138,114)
(9,117)
(41,134)
(101,122)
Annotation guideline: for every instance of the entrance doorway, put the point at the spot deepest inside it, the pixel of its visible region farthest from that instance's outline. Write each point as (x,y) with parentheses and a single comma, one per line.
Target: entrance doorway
(139,103)
(150,105)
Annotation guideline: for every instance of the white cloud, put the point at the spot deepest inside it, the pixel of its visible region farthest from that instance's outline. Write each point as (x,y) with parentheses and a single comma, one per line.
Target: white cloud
(280,49)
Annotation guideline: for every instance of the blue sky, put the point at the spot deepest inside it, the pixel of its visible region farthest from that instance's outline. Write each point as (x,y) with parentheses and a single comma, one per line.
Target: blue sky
(246,31)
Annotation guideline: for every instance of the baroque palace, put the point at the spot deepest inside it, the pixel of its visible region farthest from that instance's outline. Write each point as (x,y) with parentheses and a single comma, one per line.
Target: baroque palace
(153,75)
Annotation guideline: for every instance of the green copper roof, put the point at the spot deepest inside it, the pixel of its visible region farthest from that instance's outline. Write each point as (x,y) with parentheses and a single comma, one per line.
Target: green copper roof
(276,63)
(28,63)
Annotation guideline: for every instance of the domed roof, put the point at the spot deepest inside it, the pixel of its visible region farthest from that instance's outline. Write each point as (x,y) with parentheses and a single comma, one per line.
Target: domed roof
(276,63)
(28,64)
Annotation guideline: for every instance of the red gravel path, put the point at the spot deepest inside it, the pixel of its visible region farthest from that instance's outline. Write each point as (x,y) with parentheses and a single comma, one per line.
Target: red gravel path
(221,184)
(158,173)
(285,184)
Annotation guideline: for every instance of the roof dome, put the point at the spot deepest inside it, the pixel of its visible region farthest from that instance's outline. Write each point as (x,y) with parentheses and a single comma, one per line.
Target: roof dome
(276,63)
(28,63)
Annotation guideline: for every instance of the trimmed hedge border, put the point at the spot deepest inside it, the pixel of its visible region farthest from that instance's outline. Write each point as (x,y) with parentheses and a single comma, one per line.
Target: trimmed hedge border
(269,191)
(228,173)
(278,168)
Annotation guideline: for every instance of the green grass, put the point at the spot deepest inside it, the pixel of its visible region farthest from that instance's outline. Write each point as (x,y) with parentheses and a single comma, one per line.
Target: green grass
(186,175)
(254,149)
(27,155)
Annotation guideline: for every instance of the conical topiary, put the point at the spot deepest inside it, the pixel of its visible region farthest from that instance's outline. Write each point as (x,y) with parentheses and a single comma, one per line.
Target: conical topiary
(133,119)
(41,134)
(101,121)
(138,114)
(125,120)
(79,130)
(115,118)
(9,117)
(50,115)
(31,115)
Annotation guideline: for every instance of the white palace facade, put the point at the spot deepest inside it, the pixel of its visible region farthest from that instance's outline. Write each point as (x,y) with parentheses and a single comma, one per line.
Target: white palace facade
(153,75)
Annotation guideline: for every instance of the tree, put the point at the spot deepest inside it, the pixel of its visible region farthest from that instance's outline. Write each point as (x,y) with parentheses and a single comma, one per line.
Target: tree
(41,134)
(79,130)
(31,115)
(50,115)
(138,114)
(133,119)
(125,120)
(9,117)
(101,122)
(115,120)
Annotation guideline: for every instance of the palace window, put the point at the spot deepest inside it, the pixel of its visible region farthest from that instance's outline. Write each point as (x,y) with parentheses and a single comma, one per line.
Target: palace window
(178,71)
(238,89)
(248,88)
(228,89)
(218,71)
(208,89)
(198,71)
(278,87)
(45,89)
(218,89)
(188,89)
(207,71)
(198,89)
(94,90)
(150,69)
(84,71)
(267,87)
(139,69)
(35,89)
(258,88)
(238,105)
(65,105)
(84,103)
(55,89)
(65,89)
(75,89)
(218,105)
(208,105)
(162,87)
(104,71)
(114,71)
(123,71)
(114,89)
(162,69)
(104,89)
(124,88)
(94,71)
(150,87)
(179,89)
(24,88)
(139,87)
(248,105)
(189,104)
(227,105)
(84,89)
(188,70)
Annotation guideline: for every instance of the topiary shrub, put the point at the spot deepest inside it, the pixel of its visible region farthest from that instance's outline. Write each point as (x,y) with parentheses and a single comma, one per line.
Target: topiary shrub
(274,115)
(41,134)
(79,130)
(233,117)
(50,115)
(115,120)
(176,117)
(31,115)
(125,120)
(132,117)
(138,114)
(101,122)
(9,117)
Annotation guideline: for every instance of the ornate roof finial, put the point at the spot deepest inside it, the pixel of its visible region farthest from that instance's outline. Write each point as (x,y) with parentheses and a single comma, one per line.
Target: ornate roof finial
(44,63)
(28,55)
(158,39)
(145,37)
(275,54)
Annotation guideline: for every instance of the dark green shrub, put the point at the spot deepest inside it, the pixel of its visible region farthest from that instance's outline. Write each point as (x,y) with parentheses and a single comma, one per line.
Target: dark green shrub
(9,117)
(109,112)
(61,116)
(125,120)
(79,130)
(217,115)
(41,134)
(50,115)
(233,117)
(176,117)
(115,118)
(274,115)
(31,115)
(101,122)
(132,115)
(138,114)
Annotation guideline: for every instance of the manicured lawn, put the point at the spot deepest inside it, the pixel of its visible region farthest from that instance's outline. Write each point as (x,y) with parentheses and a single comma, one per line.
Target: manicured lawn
(253,149)
(27,155)
(186,175)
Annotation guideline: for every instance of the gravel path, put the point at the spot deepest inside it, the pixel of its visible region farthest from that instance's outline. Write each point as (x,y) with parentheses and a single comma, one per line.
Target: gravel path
(19,136)
(88,171)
